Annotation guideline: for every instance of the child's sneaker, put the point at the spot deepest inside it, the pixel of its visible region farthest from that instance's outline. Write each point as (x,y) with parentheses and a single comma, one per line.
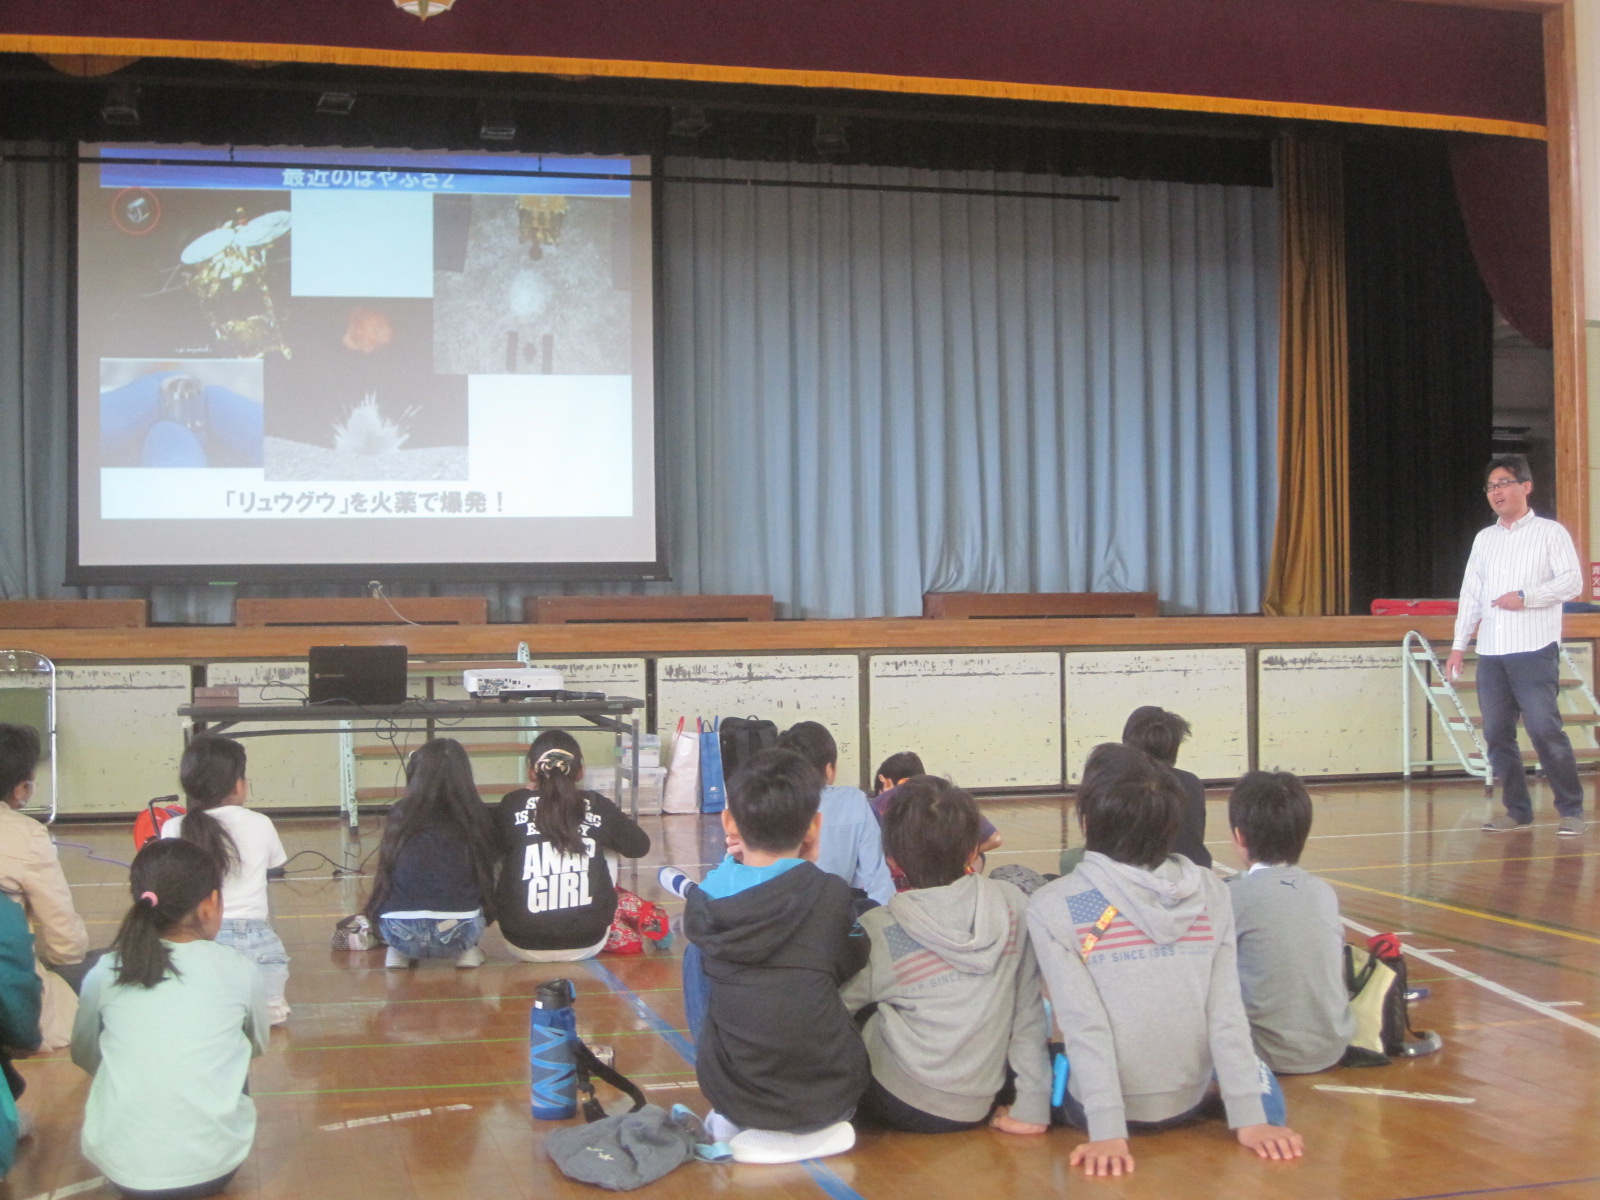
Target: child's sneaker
(472,956)
(278,1012)
(675,881)
(770,1146)
(396,961)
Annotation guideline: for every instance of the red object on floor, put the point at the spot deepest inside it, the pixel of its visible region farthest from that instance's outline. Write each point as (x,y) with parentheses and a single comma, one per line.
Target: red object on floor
(1414,608)
(636,916)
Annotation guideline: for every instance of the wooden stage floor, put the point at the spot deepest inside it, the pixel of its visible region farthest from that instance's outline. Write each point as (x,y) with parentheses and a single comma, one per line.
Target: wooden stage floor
(414,1083)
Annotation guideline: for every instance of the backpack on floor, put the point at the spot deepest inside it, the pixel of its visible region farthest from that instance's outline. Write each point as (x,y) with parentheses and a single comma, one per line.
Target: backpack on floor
(1376,979)
(741,739)
(147,825)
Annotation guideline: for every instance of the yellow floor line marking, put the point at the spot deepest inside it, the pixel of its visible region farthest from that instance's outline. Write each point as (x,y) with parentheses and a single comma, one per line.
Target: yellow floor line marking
(1469,912)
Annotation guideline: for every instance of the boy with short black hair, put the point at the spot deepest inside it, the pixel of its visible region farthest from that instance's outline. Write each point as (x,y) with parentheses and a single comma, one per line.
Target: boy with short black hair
(851,846)
(1138,953)
(1291,965)
(952,978)
(776,1053)
(1159,733)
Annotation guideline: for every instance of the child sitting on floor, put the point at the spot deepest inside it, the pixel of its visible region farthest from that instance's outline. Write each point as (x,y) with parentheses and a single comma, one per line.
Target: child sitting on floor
(952,979)
(896,770)
(1159,733)
(245,845)
(851,845)
(1291,959)
(167,1025)
(30,873)
(777,1054)
(1138,953)
(433,888)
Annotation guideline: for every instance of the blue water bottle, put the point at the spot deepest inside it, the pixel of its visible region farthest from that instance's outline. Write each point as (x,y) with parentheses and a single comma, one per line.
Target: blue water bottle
(552,1030)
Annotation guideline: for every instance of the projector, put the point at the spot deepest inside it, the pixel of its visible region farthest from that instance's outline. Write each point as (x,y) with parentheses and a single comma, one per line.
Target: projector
(486,685)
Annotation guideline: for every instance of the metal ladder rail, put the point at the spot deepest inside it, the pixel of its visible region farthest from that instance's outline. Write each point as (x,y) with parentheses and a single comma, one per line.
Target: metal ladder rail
(1417,654)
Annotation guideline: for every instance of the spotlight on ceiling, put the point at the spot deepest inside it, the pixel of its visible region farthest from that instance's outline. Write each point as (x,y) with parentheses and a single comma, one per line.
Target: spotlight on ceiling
(829,140)
(121,106)
(688,122)
(336,104)
(497,123)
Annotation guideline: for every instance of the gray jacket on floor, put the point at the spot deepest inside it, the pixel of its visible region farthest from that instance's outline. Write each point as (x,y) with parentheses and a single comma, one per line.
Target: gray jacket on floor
(1291,967)
(957,989)
(1154,1005)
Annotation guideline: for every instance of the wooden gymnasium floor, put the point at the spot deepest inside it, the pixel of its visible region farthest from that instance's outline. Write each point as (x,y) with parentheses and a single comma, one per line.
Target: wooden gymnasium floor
(414,1084)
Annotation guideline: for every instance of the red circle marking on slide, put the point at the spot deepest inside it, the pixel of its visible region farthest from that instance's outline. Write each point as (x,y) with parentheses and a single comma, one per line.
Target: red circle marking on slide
(126,198)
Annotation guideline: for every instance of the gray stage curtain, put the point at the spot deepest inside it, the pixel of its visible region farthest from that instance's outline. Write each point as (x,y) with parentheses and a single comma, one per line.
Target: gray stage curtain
(866,395)
(895,393)
(36,220)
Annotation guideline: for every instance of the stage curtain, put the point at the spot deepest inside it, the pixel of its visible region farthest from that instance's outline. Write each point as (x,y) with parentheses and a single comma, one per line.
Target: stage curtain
(897,393)
(1503,187)
(1421,373)
(36,219)
(868,395)
(1310,570)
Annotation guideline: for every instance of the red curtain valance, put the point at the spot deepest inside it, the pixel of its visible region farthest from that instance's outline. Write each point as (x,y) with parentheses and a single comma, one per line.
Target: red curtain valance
(1363,60)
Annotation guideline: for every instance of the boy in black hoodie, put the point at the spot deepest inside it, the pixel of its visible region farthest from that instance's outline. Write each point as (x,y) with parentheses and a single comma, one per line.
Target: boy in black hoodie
(778,1055)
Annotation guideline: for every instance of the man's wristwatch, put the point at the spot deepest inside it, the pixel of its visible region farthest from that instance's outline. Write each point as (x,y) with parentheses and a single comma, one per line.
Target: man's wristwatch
(1521,595)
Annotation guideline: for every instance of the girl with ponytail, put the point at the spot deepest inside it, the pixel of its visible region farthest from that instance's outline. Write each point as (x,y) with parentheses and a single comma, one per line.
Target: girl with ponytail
(435,878)
(245,846)
(556,899)
(167,1024)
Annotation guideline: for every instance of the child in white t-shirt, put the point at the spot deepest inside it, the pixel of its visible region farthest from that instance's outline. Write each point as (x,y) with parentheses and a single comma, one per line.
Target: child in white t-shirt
(245,845)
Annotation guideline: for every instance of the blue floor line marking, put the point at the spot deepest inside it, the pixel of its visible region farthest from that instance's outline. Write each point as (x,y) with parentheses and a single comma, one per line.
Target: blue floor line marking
(824,1177)
(1510,1187)
(645,1013)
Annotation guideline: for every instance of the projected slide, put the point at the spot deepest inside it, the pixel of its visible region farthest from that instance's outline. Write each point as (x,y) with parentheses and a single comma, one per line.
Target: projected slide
(321,359)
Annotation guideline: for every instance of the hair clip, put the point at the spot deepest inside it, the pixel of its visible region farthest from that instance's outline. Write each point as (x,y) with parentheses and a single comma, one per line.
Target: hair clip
(150,896)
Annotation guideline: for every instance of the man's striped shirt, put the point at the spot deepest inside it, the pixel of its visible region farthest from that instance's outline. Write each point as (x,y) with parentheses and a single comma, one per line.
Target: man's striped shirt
(1534,556)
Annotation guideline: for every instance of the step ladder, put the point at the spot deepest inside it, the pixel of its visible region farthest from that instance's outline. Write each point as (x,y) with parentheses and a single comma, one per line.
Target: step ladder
(1464,729)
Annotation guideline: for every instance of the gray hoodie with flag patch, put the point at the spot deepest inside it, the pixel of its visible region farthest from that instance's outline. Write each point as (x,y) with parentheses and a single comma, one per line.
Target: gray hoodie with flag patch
(1152,1007)
(957,989)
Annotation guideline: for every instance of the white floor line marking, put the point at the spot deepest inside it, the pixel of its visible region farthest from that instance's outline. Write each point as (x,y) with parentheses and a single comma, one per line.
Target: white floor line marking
(1563,1003)
(71,1189)
(1366,1091)
(668,1087)
(1419,950)
(388,1118)
(1499,989)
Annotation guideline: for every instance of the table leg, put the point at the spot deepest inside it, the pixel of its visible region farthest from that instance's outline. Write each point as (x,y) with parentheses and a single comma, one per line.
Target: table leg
(347,774)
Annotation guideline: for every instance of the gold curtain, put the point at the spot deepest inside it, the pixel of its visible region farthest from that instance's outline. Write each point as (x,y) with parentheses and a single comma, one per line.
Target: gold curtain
(1310,571)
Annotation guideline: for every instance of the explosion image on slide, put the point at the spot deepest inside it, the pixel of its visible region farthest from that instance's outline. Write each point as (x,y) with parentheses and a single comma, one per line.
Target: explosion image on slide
(360,400)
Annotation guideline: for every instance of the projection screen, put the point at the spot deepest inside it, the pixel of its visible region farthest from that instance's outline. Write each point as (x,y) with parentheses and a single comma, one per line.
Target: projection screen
(307,363)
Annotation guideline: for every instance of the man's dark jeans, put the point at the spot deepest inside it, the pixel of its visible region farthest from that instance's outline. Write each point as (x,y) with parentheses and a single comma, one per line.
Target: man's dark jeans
(1527,683)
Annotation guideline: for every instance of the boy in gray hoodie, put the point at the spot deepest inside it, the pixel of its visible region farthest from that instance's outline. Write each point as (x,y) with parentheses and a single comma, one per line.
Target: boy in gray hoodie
(953,978)
(1137,950)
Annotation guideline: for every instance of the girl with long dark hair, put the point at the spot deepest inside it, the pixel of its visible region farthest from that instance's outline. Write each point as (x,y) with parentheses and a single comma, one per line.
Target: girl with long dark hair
(556,897)
(167,1024)
(435,878)
(245,846)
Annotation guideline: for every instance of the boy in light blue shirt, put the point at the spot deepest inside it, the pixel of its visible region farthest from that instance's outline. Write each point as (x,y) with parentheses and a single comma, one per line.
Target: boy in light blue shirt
(851,846)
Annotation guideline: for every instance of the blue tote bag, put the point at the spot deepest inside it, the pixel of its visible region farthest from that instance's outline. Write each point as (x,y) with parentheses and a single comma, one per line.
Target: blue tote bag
(713,789)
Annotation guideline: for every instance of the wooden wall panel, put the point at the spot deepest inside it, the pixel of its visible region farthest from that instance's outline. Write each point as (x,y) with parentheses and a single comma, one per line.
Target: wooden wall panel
(1207,687)
(984,720)
(784,689)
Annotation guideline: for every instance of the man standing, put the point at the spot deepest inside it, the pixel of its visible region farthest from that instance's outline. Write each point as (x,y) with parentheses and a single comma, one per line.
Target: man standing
(1521,570)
